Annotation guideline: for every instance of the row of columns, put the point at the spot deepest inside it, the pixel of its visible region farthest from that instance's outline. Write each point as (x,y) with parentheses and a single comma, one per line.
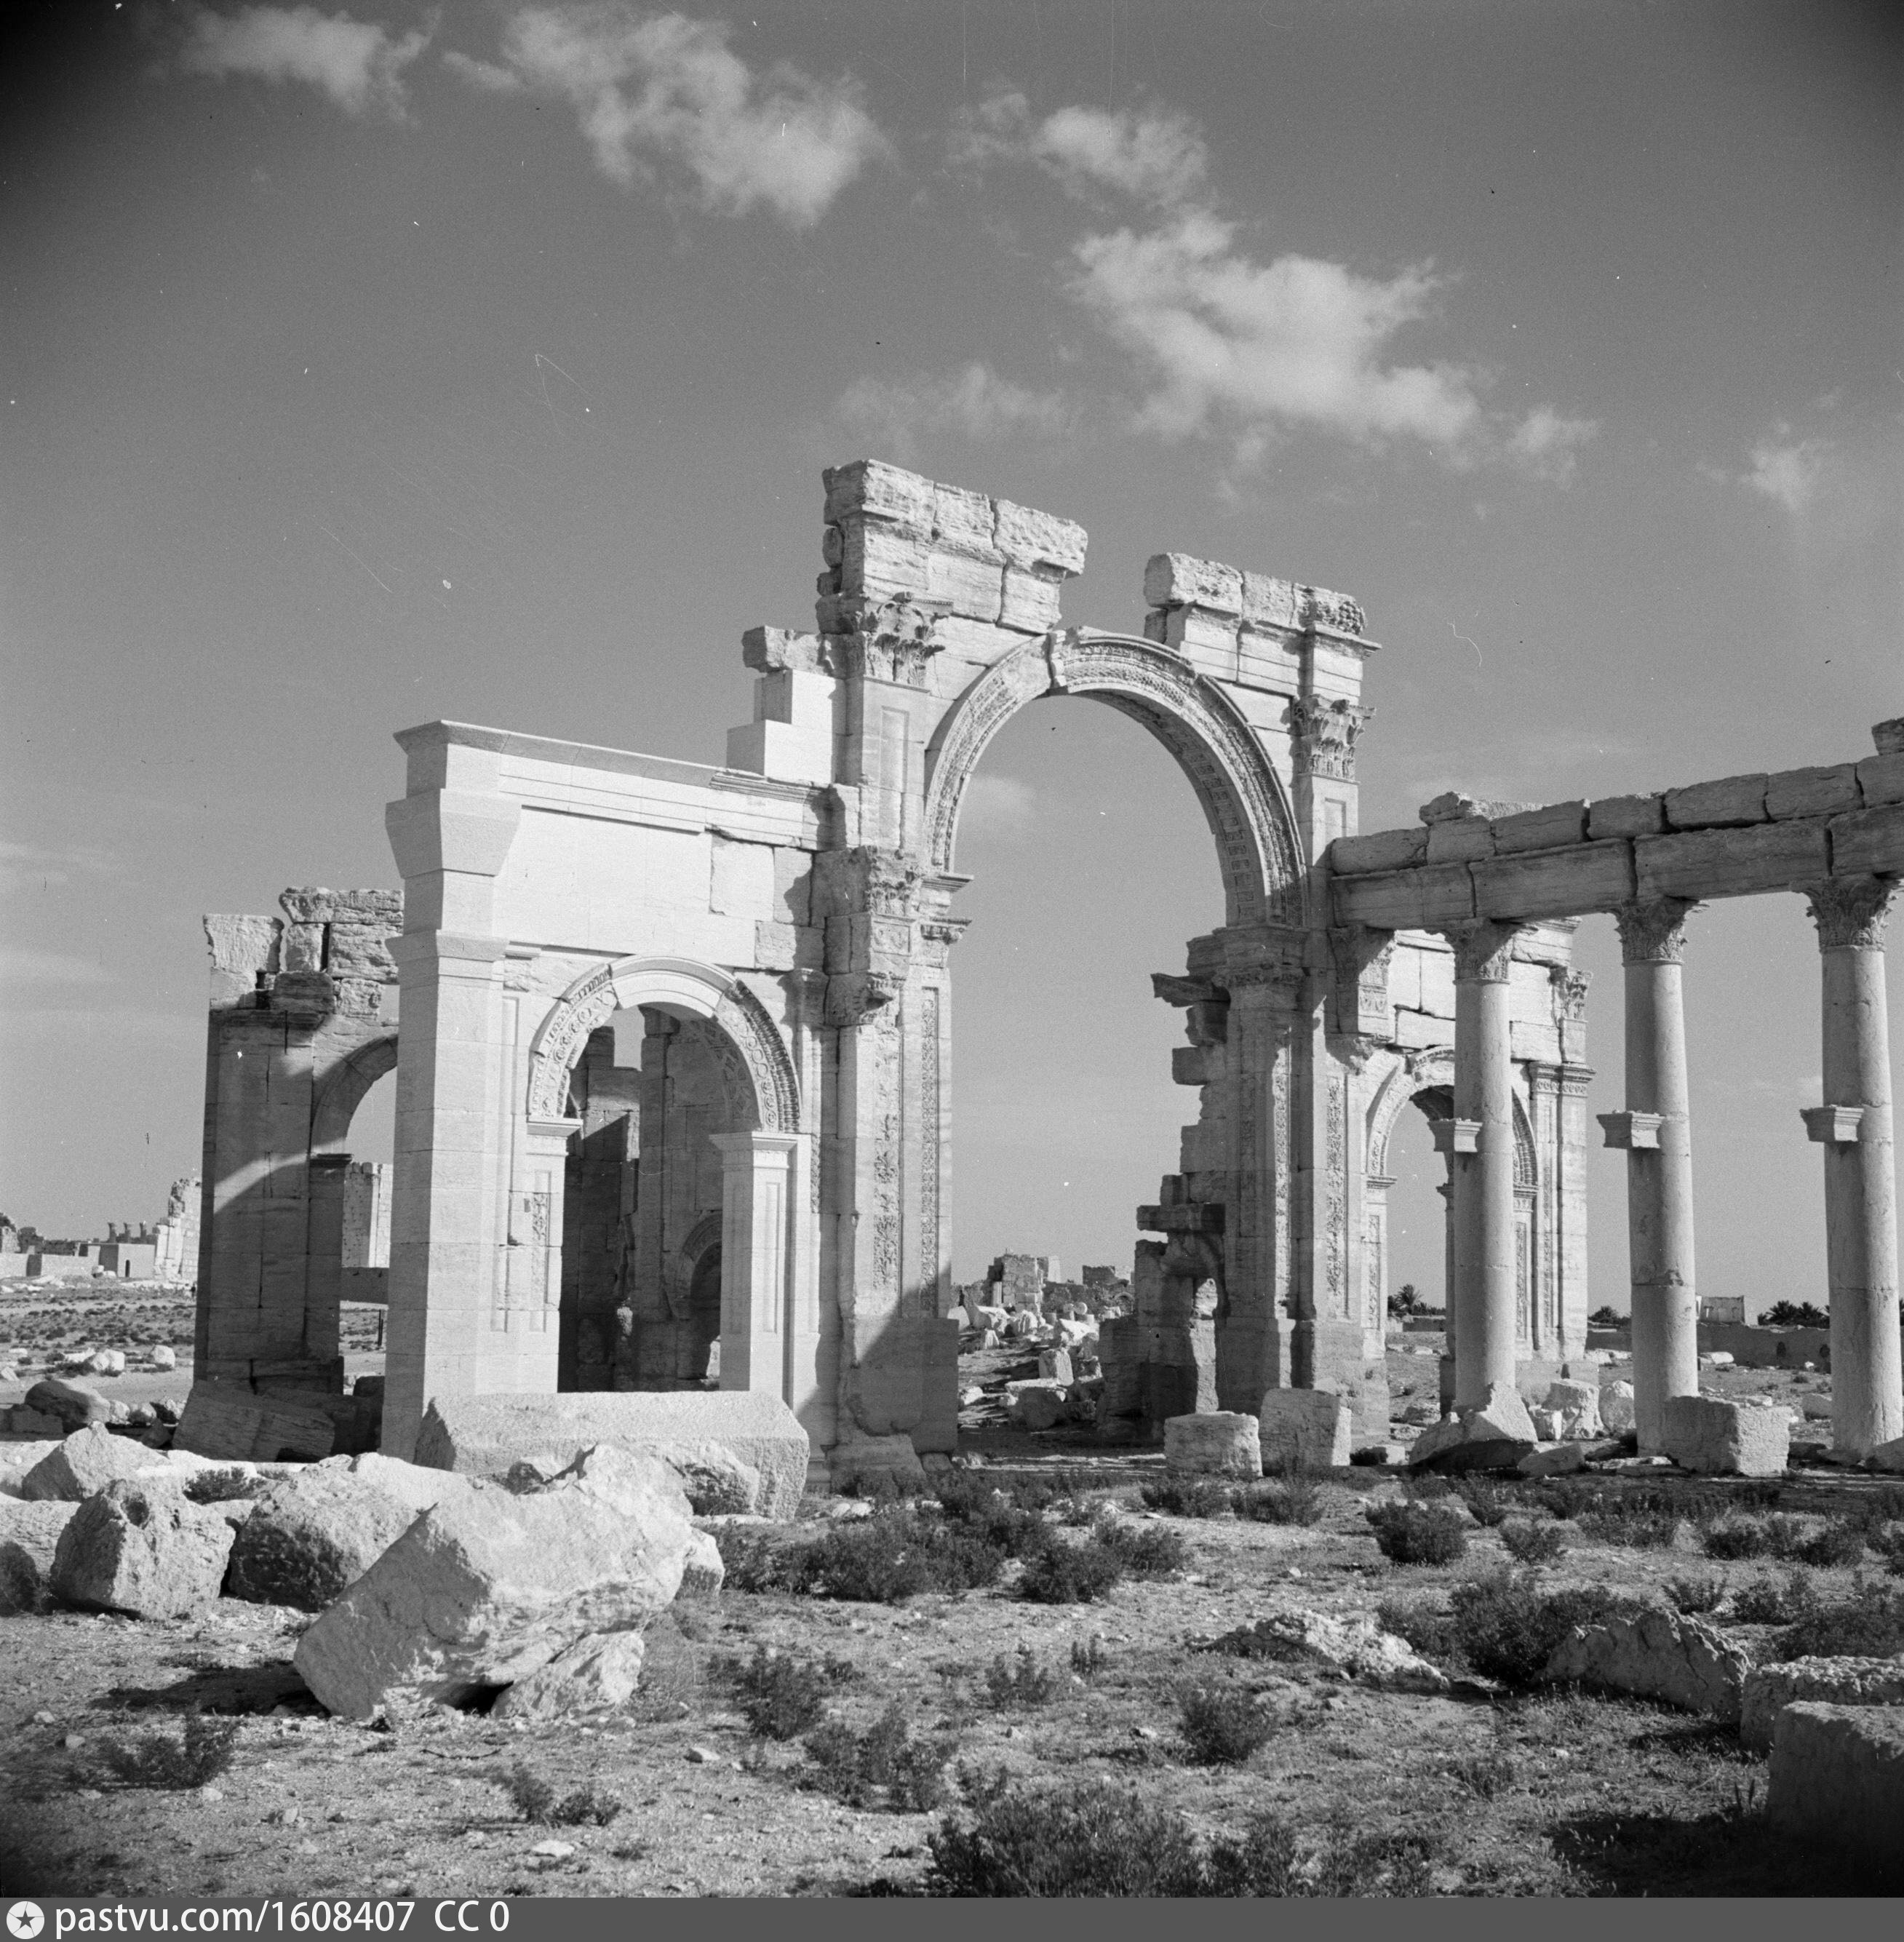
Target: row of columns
(1655,1132)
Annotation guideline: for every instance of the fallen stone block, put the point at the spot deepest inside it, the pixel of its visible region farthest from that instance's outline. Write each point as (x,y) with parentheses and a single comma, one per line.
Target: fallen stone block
(1837,1776)
(705,1571)
(1355,1645)
(1842,1682)
(595,1675)
(1554,1459)
(29,1538)
(73,1404)
(1305,1429)
(1578,1404)
(17,1460)
(1715,1438)
(163,1358)
(1888,1457)
(1616,1404)
(1493,1435)
(1655,1654)
(84,1462)
(959,1318)
(227,1420)
(1220,1443)
(484,1435)
(1036,1405)
(421,1488)
(1054,1366)
(306,1538)
(488,1588)
(150,1553)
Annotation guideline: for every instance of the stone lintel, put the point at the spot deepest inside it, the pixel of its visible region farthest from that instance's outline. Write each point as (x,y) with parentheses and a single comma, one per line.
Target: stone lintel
(1632,1132)
(1834,1125)
(1190,1217)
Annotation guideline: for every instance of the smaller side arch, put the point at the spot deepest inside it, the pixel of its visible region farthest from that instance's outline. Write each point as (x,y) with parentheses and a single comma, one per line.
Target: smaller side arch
(342,1092)
(671,985)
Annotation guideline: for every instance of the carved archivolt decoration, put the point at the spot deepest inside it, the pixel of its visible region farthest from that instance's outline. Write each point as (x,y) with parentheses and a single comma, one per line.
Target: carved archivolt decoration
(672,984)
(1242,796)
(1430,1071)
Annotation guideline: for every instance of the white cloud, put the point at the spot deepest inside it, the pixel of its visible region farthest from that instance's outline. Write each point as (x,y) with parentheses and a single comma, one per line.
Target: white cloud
(1151,156)
(357,64)
(1299,340)
(975,403)
(484,75)
(1787,470)
(661,88)
(1547,446)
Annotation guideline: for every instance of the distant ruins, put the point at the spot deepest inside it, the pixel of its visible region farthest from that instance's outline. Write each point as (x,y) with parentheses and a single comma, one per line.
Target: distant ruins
(168,1252)
(674,1070)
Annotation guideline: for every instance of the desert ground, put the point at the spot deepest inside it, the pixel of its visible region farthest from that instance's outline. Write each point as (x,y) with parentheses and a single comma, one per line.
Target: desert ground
(1158,1711)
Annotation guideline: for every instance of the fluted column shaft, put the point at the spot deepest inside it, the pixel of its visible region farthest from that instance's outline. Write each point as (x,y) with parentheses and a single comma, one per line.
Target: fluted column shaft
(1480,1138)
(1655,1131)
(1854,1127)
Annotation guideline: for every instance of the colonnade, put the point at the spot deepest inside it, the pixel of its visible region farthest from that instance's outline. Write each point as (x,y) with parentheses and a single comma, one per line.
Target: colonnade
(1854,1125)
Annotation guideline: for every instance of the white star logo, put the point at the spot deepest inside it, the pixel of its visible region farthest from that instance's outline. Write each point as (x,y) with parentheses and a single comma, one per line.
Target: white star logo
(25,1920)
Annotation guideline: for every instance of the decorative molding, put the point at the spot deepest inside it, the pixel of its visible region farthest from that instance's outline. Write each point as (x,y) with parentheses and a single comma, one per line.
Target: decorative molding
(1456,1136)
(892,641)
(1654,931)
(1570,989)
(1322,735)
(1632,1132)
(1835,1126)
(1851,912)
(1242,796)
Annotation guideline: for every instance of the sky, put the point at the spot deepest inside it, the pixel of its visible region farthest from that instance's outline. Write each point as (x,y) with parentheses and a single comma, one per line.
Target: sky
(363,368)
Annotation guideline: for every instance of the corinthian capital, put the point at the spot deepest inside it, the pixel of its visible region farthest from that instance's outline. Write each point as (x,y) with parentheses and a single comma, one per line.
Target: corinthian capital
(1654,931)
(1325,734)
(1483,951)
(1851,912)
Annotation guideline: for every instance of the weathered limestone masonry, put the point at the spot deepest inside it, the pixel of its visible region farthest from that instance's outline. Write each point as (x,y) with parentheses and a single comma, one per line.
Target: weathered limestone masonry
(674,1076)
(1490,883)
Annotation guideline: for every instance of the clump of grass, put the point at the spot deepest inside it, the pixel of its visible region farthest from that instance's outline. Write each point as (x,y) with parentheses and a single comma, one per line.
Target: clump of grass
(1632,1530)
(1837,1543)
(1088,1657)
(1507,1628)
(1732,1539)
(536,1800)
(1696,1595)
(1022,1681)
(894,1555)
(1528,1542)
(1222,1725)
(1144,1551)
(1766,1602)
(1490,1504)
(752,1561)
(1072,1574)
(156,1759)
(883,1766)
(1189,1496)
(1486,1774)
(781,1694)
(1414,1533)
(1288,1500)
(1888,1541)
(1868,1625)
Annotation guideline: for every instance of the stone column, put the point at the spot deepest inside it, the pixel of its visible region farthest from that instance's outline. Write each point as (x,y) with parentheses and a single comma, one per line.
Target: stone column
(1480,1138)
(754,1170)
(1655,1134)
(1854,1127)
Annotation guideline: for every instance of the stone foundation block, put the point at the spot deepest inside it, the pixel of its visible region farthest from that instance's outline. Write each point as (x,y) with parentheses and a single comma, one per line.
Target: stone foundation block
(1305,1429)
(863,1463)
(1837,1776)
(1715,1438)
(1222,1443)
(228,1421)
(1840,1681)
(29,1538)
(85,1462)
(486,1435)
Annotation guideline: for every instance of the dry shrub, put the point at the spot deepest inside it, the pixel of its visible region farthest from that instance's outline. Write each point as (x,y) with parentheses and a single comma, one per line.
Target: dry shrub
(1144,1551)
(1222,1725)
(1530,1543)
(1490,1503)
(1507,1628)
(1695,1595)
(884,1766)
(780,1694)
(1072,1574)
(1293,1500)
(894,1555)
(1021,1682)
(1766,1602)
(536,1800)
(1187,1496)
(156,1760)
(1868,1625)
(1416,1533)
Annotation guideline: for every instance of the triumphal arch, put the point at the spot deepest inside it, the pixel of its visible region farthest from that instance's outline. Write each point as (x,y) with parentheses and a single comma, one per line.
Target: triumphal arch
(674,1045)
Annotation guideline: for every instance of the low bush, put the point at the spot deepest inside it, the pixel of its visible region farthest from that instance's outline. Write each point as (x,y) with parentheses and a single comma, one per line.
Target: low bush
(1732,1539)
(1766,1602)
(752,1561)
(1287,1500)
(781,1694)
(1144,1550)
(1837,1543)
(1022,1681)
(1887,1541)
(1088,1657)
(536,1800)
(894,1555)
(883,1766)
(1222,1725)
(156,1760)
(1507,1628)
(1413,1533)
(1695,1595)
(1072,1574)
(996,1517)
(1429,1631)
(1092,1840)
(1528,1542)
(1632,1530)
(1189,1497)
(1490,1503)
(1868,1625)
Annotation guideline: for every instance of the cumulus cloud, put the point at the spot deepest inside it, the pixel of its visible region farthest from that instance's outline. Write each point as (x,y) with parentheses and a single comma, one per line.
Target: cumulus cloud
(1547,446)
(357,63)
(1298,341)
(1787,470)
(976,403)
(655,90)
(1145,153)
